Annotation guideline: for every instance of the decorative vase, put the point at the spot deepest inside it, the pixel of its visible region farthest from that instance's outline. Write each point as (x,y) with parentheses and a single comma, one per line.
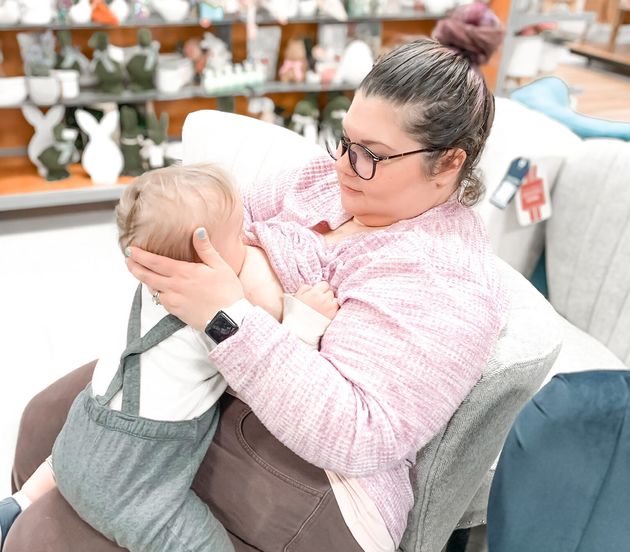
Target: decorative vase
(44,90)
(69,82)
(9,12)
(12,91)
(525,59)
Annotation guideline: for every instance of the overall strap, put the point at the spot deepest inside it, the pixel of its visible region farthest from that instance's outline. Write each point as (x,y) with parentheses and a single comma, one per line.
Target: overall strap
(127,376)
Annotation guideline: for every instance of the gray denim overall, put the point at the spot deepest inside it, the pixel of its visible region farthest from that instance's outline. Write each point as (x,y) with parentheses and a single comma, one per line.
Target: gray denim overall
(129,477)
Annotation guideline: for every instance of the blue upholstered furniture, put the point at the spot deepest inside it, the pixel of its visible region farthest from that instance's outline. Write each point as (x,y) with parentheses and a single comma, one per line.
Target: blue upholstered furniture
(550,95)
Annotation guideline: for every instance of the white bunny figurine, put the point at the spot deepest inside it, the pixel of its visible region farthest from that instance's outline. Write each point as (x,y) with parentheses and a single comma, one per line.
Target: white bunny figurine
(43,137)
(102,158)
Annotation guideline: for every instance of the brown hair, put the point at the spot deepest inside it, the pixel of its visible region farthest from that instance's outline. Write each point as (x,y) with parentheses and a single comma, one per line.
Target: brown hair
(448,105)
(160,209)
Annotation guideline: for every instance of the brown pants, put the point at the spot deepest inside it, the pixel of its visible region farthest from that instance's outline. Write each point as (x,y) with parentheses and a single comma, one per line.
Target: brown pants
(268,498)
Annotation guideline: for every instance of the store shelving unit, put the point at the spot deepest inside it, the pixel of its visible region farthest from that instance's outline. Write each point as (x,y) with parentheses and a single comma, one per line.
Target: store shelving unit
(518,21)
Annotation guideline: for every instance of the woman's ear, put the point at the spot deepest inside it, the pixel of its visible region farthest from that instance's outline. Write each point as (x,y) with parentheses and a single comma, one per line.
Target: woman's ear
(450,166)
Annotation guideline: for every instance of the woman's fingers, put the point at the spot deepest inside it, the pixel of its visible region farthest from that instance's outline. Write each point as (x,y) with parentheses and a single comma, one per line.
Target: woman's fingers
(151,279)
(207,253)
(164,266)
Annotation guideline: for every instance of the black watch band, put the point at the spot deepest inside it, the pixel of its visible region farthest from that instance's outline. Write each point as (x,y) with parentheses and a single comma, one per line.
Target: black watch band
(221,327)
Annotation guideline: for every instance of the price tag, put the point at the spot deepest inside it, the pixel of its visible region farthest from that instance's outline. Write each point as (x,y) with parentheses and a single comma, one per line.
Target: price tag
(510,183)
(533,203)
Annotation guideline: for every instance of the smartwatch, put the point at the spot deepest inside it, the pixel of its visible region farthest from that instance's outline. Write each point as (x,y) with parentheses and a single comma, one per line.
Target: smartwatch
(220,327)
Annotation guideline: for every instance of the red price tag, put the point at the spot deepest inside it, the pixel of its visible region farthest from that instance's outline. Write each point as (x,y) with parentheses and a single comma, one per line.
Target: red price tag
(533,204)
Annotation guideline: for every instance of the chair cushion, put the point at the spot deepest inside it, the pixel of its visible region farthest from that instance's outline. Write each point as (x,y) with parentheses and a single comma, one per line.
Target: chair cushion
(588,243)
(581,352)
(520,132)
(451,469)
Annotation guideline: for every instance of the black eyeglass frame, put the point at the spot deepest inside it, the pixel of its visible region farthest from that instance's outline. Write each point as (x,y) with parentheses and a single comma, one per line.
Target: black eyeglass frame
(345,146)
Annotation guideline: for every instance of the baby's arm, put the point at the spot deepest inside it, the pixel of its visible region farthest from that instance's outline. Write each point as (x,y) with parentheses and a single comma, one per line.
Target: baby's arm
(309,312)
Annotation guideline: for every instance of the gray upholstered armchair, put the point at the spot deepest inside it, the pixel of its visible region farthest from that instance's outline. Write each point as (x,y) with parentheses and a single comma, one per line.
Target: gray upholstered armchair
(452,474)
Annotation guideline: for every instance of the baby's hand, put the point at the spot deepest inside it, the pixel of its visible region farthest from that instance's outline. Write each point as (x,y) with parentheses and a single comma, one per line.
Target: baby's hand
(320,298)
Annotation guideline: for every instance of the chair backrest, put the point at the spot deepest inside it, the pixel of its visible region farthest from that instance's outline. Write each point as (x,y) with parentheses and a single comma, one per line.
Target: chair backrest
(452,467)
(450,470)
(249,149)
(588,243)
(520,132)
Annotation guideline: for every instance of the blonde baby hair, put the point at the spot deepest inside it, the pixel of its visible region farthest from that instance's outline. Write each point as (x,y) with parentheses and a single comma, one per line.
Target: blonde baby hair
(160,209)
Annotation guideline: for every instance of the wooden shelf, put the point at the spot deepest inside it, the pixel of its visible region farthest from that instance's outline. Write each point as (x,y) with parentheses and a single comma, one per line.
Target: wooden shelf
(27,190)
(404,15)
(89,97)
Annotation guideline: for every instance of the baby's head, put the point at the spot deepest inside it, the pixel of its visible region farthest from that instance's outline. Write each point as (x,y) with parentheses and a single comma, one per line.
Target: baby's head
(160,210)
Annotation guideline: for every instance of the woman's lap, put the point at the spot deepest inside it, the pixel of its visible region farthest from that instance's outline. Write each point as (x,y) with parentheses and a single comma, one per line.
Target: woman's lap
(243,468)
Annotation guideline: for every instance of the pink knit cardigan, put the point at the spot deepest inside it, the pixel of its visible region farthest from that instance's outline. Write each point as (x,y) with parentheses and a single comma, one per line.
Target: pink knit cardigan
(422,305)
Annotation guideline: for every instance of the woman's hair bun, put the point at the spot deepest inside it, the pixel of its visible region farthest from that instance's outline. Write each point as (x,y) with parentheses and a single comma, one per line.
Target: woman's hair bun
(473,30)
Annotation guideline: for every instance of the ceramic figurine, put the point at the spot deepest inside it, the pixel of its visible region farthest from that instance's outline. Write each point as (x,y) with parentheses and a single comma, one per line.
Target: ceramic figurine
(130,141)
(333,8)
(102,158)
(143,64)
(81,12)
(141,9)
(154,147)
(293,68)
(172,11)
(102,14)
(60,154)
(121,9)
(305,119)
(36,12)
(43,136)
(70,57)
(356,62)
(109,73)
(331,128)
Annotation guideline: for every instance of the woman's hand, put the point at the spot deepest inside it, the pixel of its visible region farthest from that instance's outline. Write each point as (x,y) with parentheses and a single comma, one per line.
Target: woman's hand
(194,292)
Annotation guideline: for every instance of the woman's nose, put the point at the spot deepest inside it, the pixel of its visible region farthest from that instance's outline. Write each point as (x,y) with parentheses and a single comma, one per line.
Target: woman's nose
(343,163)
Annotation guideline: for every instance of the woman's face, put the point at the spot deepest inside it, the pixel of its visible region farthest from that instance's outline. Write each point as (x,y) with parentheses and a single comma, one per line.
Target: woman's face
(400,188)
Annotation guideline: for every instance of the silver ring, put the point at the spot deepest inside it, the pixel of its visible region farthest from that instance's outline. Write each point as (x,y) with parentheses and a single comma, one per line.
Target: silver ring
(156,298)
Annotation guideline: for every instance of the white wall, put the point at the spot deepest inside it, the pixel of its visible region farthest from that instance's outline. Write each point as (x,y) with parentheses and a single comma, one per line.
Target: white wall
(63,282)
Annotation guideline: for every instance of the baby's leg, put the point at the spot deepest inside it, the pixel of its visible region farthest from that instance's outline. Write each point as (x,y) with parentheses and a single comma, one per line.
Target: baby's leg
(192,528)
(42,481)
(37,486)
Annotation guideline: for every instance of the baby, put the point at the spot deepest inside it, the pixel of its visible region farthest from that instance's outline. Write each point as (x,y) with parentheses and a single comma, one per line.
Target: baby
(135,437)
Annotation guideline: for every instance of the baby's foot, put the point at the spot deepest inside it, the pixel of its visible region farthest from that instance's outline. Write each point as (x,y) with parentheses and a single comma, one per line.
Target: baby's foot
(9,511)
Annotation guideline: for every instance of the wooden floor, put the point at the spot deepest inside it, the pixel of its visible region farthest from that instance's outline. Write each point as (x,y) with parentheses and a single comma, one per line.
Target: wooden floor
(599,92)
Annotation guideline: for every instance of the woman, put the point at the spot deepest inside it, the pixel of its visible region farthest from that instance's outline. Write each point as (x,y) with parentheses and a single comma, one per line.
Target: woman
(421,306)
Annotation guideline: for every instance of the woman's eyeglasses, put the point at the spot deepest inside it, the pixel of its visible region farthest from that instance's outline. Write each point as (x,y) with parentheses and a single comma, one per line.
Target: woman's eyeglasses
(362,160)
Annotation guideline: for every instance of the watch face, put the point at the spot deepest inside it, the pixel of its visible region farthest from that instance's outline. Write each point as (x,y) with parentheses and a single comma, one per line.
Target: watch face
(221,327)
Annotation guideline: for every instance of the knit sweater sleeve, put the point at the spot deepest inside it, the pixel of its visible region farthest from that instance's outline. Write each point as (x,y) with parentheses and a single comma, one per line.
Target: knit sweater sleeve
(406,347)
(287,191)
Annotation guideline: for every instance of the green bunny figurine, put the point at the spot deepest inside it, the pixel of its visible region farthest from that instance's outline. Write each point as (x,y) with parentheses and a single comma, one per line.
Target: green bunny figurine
(154,150)
(57,157)
(143,64)
(109,72)
(130,141)
(332,119)
(305,119)
(69,56)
